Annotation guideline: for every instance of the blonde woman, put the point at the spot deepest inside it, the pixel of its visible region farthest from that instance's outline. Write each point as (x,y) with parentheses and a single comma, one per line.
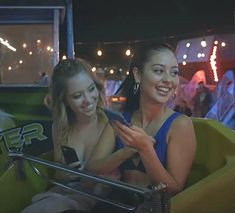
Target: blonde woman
(78,120)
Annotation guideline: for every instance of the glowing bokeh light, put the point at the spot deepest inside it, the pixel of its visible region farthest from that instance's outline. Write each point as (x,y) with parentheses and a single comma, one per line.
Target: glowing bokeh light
(203,43)
(99,53)
(213,63)
(128,52)
(188,44)
(223,44)
(199,55)
(111,71)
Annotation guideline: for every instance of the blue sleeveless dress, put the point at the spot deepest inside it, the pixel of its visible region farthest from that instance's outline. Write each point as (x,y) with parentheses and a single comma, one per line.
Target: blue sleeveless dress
(160,147)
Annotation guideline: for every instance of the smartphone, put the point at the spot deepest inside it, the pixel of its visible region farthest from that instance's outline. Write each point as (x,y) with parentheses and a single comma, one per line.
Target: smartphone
(70,156)
(116,116)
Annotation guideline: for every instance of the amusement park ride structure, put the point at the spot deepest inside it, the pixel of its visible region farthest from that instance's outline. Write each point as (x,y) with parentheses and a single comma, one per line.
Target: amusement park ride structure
(25,147)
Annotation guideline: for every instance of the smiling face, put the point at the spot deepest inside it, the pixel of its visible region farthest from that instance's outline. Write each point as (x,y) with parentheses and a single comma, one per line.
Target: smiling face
(159,77)
(82,95)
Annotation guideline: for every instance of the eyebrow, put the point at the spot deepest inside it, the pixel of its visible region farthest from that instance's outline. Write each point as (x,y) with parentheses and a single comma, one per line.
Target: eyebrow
(161,65)
(87,88)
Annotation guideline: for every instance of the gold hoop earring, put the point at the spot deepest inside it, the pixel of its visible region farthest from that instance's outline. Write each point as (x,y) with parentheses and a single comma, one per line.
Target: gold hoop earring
(174,95)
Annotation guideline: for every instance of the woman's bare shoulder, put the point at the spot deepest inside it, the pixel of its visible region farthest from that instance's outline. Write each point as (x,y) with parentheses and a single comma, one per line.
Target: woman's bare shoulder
(181,124)
(181,121)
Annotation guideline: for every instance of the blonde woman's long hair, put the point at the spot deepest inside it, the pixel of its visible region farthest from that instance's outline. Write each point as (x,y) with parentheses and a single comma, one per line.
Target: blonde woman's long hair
(63,116)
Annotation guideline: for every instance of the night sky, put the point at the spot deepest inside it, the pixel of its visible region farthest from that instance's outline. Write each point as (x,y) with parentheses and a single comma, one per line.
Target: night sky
(105,20)
(114,25)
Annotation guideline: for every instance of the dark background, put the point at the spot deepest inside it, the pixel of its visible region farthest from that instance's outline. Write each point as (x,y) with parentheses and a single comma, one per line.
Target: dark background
(115,25)
(107,20)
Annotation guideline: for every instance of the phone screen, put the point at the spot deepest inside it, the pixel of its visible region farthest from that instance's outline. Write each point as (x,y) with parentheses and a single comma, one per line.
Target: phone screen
(116,116)
(70,155)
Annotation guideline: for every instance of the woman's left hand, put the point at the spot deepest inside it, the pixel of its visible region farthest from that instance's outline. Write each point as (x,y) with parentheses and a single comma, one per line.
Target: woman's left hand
(133,136)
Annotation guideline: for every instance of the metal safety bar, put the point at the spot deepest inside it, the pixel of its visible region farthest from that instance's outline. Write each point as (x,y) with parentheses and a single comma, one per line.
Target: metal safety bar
(106,200)
(80,173)
(146,193)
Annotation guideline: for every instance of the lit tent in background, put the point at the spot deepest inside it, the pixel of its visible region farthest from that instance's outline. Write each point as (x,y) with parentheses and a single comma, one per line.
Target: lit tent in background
(224,107)
(188,89)
(214,54)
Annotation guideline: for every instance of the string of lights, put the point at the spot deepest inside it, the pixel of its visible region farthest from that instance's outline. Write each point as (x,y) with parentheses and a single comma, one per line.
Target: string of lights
(128,52)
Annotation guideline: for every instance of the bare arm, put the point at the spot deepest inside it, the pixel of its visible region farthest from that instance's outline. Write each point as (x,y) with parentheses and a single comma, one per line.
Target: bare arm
(180,152)
(104,160)
(180,155)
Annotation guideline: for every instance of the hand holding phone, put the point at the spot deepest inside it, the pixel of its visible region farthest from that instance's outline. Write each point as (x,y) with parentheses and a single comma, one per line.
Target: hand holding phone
(70,157)
(116,116)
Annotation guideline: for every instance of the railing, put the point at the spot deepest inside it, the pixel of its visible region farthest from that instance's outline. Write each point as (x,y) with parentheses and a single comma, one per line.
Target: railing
(155,200)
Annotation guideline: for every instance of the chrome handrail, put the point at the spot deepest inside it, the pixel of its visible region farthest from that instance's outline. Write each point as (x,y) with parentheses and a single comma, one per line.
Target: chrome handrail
(145,192)
(90,195)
